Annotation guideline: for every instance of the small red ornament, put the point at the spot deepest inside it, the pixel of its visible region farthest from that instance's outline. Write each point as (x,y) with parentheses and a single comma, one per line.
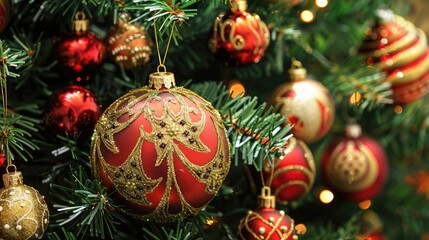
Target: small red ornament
(306,104)
(239,37)
(5,13)
(162,150)
(266,222)
(371,227)
(355,166)
(72,110)
(401,50)
(82,53)
(129,44)
(294,172)
(2,159)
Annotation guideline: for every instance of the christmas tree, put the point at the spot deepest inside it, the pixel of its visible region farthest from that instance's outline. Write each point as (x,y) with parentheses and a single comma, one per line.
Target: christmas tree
(233,119)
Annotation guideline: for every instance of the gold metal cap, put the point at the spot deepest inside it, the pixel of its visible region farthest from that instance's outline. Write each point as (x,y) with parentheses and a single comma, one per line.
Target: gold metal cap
(297,72)
(123,18)
(238,5)
(80,23)
(266,200)
(159,80)
(13,179)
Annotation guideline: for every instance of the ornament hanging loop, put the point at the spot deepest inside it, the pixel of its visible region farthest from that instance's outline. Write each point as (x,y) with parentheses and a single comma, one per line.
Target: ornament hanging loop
(11,166)
(162,62)
(80,23)
(161,66)
(296,71)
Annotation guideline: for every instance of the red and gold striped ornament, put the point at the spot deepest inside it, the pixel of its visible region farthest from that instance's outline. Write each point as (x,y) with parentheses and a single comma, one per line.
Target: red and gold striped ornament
(161,150)
(306,104)
(355,166)
(400,49)
(267,222)
(293,173)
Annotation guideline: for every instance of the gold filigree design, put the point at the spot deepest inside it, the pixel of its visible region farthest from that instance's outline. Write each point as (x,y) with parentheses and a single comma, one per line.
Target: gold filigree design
(352,167)
(170,128)
(24,213)
(226,30)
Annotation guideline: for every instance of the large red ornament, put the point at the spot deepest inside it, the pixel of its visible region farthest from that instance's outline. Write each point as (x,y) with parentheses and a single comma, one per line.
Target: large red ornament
(162,150)
(355,166)
(294,172)
(306,104)
(72,110)
(266,222)
(5,13)
(82,53)
(239,37)
(400,49)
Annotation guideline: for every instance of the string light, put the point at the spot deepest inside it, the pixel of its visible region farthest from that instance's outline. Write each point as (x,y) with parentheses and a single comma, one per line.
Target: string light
(307,16)
(301,229)
(321,3)
(326,196)
(398,109)
(365,204)
(236,88)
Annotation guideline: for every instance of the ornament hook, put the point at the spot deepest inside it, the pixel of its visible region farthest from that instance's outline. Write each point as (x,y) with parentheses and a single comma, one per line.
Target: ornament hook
(12,166)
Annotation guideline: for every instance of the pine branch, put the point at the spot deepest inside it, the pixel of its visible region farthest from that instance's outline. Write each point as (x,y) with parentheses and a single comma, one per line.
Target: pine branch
(254,130)
(84,206)
(346,232)
(182,231)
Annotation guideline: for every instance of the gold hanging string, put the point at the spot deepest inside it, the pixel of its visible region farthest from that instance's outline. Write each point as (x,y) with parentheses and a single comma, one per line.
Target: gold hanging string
(270,179)
(162,62)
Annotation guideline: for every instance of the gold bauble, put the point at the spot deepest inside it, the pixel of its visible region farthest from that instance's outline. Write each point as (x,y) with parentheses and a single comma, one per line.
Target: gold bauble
(23,211)
(129,44)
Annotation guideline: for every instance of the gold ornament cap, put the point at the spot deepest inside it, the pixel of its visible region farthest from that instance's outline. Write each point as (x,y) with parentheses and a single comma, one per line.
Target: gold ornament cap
(80,23)
(159,80)
(385,15)
(123,18)
(238,5)
(13,179)
(353,130)
(297,72)
(266,200)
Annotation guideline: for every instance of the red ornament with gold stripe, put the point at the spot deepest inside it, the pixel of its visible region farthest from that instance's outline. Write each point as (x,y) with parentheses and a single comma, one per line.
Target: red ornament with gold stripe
(239,37)
(161,150)
(400,49)
(306,104)
(293,173)
(267,222)
(355,166)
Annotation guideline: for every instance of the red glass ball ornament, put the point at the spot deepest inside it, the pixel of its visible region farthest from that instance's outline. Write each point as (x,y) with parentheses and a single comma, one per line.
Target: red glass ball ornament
(239,37)
(306,104)
(162,150)
(401,50)
(72,110)
(266,222)
(293,173)
(355,166)
(5,13)
(80,56)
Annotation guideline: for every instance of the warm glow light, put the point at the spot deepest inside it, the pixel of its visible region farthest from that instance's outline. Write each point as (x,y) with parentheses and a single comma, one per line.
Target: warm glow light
(301,229)
(355,98)
(398,109)
(210,221)
(365,204)
(307,16)
(236,88)
(326,196)
(321,3)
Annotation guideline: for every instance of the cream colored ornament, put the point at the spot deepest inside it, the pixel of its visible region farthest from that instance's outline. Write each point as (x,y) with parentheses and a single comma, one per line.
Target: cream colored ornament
(23,211)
